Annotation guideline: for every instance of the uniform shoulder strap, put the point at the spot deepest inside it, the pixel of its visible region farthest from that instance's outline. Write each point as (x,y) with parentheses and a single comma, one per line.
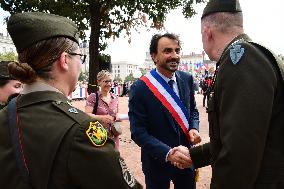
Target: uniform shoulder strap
(278,61)
(73,113)
(16,142)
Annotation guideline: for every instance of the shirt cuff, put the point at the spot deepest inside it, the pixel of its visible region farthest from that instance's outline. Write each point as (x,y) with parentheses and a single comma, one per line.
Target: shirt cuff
(168,155)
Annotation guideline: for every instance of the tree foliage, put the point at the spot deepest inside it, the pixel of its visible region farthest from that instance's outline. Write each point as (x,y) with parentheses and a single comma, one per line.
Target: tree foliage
(8,57)
(129,78)
(105,18)
(83,77)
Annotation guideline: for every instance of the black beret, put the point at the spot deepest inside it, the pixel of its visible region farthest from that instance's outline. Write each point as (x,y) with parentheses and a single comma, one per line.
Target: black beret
(4,73)
(28,28)
(214,6)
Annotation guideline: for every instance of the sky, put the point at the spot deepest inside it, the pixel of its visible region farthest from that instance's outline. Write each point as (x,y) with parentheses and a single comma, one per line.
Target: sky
(262,22)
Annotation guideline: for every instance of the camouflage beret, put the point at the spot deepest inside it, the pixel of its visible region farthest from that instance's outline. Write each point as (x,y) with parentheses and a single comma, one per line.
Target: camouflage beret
(214,6)
(4,73)
(28,28)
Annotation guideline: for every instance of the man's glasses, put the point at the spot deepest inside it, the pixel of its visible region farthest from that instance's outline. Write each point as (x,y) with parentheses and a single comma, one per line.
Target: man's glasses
(82,56)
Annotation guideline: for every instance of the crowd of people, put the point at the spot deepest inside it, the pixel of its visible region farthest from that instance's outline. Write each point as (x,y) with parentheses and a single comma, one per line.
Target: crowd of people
(48,143)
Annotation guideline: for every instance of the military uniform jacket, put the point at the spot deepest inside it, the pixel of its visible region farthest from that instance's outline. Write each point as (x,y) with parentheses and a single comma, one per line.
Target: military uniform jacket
(246,120)
(56,148)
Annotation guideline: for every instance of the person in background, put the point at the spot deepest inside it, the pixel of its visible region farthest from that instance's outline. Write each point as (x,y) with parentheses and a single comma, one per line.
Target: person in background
(124,89)
(205,90)
(163,115)
(106,108)
(8,85)
(45,141)
(246,107)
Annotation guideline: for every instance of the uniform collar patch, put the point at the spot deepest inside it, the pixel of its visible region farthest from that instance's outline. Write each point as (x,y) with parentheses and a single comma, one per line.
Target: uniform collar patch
(236,53)
(97,134)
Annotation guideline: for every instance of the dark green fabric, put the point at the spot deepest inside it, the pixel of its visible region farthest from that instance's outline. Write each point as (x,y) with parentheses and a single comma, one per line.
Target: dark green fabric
(279,62)
(246,119)
(28,28)
(57,150)
(214,6)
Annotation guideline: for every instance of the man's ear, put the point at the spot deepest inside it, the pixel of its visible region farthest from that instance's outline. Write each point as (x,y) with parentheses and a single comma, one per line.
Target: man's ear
(208,33)
(62,61)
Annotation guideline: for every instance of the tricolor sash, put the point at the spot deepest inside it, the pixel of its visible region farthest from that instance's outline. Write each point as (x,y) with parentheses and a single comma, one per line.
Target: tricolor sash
(166,95)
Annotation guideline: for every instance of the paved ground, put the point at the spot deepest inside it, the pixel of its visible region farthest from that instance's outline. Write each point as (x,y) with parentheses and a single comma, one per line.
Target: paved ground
(131,152)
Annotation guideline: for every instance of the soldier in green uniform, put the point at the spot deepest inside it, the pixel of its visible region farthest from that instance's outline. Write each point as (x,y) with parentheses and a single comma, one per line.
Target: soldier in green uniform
(8,85)
(246,109)
(45,142)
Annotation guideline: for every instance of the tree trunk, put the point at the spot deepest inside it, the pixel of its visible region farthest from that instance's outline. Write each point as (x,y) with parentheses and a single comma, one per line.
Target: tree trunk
(95,23)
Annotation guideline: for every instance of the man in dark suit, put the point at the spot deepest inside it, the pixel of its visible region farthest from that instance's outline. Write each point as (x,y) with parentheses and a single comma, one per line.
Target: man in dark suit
(164,116)
(246,107)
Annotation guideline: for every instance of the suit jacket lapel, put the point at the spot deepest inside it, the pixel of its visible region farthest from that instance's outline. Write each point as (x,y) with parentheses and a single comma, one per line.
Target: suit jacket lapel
(181,87)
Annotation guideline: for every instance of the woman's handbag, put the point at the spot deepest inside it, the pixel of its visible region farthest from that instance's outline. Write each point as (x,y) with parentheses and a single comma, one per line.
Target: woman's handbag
(116,129)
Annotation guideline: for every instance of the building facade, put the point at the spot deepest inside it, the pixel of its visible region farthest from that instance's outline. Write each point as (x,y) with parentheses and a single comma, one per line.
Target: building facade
(122,69)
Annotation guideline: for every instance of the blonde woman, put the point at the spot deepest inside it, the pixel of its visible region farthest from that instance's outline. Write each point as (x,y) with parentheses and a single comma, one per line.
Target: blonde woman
(105,108)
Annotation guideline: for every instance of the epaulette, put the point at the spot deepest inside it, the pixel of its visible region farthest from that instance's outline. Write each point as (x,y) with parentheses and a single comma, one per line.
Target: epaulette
(278,61)
(95,131)
(72,112)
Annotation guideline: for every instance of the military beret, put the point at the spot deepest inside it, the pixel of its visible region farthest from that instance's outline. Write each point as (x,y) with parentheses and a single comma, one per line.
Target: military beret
(214,6)
(28,28)
(4,73)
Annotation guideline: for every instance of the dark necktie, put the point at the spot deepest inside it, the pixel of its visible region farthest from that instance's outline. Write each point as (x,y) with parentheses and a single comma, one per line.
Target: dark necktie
(171,83)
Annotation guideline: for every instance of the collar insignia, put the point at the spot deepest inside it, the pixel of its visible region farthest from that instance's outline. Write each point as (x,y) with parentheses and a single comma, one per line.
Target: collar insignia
(73,110)
(69,103)
(236,53)
(97,134)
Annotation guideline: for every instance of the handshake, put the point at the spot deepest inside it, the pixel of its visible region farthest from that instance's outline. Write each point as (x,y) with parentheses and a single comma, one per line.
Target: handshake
(179,156)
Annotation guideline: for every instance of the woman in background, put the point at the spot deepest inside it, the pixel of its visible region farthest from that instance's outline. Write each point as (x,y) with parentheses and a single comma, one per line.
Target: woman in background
(106,108)
(8,85)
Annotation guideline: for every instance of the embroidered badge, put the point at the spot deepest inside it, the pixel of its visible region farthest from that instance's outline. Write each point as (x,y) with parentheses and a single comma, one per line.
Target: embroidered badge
(127,175)
(236,53)
(97,134)
(73,110)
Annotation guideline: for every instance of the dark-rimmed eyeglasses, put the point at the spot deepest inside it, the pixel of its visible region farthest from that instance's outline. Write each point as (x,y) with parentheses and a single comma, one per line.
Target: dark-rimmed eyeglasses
(82,56)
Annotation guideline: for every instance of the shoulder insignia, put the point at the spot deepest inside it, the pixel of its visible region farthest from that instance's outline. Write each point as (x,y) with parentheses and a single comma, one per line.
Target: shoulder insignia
(97,134)
(236,53)
(127,175)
